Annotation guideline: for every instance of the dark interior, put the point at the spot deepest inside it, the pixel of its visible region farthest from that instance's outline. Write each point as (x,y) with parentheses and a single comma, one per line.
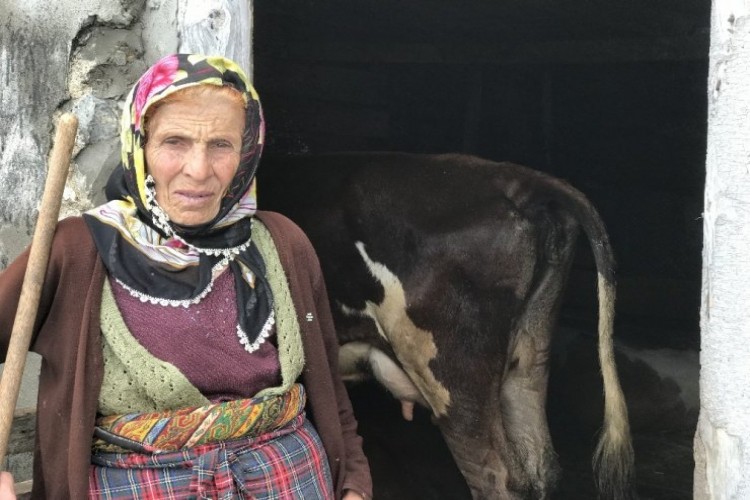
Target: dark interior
(609,96)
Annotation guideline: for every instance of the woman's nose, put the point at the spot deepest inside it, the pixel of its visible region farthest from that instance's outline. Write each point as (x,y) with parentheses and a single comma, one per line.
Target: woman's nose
(198,163)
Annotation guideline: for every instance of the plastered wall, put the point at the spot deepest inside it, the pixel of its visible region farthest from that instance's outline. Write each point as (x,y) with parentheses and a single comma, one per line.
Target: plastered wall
(68,55)
(83,56)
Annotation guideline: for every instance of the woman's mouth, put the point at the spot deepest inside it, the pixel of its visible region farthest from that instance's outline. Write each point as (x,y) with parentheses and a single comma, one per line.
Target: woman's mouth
(194,197)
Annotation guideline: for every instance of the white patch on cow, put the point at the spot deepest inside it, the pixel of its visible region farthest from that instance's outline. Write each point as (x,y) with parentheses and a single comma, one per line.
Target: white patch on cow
(523,396)
(414,347)
(368,312)
(352,356)
(388,373)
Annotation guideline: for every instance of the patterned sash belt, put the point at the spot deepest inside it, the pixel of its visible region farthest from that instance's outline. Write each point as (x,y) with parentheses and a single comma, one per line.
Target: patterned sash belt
(167,431)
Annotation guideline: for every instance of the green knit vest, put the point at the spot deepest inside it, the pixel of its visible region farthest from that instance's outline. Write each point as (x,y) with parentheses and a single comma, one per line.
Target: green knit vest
(136,381)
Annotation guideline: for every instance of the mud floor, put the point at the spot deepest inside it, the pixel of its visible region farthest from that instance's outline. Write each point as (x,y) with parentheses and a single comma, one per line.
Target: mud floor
(410,460)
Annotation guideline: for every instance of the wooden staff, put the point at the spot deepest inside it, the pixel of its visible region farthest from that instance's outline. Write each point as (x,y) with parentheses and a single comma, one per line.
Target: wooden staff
(33,280)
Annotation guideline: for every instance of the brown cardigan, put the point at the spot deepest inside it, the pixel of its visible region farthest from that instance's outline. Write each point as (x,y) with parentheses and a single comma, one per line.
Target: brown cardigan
(67,336)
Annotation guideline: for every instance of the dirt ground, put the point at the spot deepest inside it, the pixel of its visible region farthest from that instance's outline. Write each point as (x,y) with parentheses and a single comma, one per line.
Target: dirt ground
(410,460)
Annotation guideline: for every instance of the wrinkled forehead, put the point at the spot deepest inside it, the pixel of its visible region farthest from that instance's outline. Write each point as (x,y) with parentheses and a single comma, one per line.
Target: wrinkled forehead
(178,73)
(201,97)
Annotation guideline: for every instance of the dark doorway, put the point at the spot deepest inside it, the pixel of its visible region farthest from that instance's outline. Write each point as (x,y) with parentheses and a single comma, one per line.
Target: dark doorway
(611,97)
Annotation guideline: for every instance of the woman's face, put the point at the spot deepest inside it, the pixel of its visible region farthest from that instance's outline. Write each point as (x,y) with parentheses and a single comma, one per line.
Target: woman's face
(193,151)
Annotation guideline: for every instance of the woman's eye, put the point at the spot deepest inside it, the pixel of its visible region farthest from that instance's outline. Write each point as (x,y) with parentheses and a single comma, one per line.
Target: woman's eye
(173,141)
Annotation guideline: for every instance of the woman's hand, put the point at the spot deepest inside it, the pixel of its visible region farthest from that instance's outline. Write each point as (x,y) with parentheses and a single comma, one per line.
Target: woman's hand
(7,486)
(348,495)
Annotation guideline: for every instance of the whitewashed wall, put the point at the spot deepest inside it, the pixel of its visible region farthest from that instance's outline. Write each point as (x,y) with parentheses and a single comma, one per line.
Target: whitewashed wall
(84,56)
(722,441)
(57,56)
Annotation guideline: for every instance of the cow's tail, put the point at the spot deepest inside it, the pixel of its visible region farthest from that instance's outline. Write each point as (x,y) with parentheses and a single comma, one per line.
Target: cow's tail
(613,459)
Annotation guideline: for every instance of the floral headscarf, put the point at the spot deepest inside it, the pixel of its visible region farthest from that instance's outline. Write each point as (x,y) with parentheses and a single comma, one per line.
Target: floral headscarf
(167,263)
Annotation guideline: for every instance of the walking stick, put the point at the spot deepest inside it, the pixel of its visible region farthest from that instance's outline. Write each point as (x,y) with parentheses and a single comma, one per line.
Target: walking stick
(34,278)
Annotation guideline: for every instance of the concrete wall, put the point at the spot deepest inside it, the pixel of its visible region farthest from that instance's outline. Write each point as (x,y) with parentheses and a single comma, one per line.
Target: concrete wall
(84,56)
(79,55)
(722,440)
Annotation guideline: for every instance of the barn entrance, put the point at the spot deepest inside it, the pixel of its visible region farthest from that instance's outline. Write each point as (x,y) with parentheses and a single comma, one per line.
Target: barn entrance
(609,97)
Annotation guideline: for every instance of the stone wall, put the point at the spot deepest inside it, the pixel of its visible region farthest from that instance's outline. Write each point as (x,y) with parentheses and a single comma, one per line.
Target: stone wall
(84,56)
(73,55)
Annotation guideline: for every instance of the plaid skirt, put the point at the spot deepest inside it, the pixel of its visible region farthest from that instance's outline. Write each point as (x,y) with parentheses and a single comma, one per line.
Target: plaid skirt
(291,464)
(286,463)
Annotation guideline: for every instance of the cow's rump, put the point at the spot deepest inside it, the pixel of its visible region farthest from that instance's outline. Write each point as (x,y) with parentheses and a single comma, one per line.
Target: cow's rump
(445,273)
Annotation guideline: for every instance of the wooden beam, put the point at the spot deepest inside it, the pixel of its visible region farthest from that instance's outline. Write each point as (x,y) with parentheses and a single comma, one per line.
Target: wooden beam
(547,52)
(217,27)
(24,488)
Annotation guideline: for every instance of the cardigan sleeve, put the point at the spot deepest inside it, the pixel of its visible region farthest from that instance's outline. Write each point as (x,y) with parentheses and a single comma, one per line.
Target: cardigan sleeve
(11,280)
(356,469)
(66,254)
(66,336)
(337,426)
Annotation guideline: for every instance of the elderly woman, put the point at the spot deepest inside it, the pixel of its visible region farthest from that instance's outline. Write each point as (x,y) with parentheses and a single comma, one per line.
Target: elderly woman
(187,343)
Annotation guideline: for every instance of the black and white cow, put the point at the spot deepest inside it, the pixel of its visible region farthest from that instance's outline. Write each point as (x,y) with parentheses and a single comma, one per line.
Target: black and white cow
(446,274)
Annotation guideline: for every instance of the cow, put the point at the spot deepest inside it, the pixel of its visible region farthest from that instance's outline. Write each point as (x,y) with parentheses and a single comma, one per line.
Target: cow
(445,275)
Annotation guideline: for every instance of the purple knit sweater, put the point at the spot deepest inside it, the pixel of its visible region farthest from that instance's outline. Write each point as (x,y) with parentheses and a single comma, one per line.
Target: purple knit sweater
(201,341)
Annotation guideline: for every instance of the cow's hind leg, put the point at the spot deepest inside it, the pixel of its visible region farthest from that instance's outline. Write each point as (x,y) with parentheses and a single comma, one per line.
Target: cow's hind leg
(498,432)
(524,389)
(478,441)
(522,405)
(496,425)
(500,439)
